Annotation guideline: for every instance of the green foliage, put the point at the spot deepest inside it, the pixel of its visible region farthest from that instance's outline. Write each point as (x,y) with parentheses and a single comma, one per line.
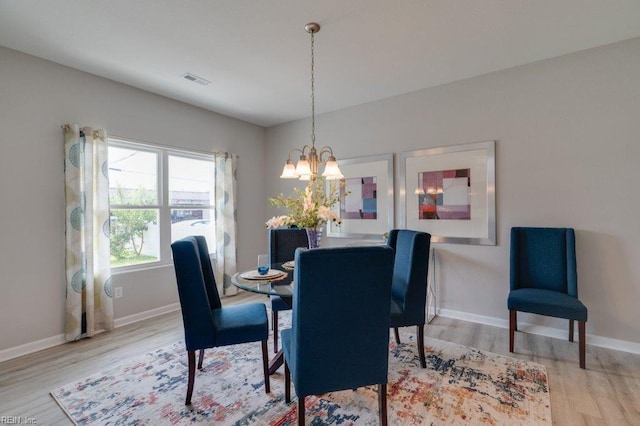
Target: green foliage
(131,260)
(129,225)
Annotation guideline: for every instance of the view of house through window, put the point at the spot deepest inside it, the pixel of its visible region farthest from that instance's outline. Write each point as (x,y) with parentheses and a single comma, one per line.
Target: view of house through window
(191,198)
(157,196)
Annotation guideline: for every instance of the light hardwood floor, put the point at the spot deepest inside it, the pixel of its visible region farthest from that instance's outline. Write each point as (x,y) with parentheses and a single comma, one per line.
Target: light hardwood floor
(606,393)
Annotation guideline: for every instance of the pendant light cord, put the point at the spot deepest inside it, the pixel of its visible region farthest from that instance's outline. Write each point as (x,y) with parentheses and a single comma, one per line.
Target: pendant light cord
(313,104)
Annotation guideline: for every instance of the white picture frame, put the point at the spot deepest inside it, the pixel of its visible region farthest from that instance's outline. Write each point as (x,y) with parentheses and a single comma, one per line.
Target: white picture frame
(476,163)
(377,168)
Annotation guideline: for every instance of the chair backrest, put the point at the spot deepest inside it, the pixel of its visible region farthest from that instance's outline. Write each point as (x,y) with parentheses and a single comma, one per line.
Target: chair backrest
(340,321)
(544,258)
(197,291)
(410,269)
(283,243)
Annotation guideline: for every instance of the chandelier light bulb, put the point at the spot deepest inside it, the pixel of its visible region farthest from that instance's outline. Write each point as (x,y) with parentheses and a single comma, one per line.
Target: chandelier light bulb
(303,167)
(289,171)
(331,170)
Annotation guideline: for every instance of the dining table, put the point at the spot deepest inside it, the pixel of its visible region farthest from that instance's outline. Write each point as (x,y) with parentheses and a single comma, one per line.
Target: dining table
(269,284)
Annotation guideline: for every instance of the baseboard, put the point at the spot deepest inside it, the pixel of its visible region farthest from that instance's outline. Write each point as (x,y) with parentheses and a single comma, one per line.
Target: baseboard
(465,316)
(604,342)
(130,319)
(31,347)
(49,342)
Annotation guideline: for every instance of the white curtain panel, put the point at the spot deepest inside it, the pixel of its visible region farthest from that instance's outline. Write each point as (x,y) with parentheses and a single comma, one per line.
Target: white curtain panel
(87,256)
(225,219)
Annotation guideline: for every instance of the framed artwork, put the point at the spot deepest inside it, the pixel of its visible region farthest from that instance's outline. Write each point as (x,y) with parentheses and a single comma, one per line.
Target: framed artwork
(367,210)
(449,192)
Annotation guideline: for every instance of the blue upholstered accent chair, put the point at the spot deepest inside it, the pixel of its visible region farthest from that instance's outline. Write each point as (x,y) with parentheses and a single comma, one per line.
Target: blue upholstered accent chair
(283,243)
(544,279)
(409,288)
(339,338)
(206,323)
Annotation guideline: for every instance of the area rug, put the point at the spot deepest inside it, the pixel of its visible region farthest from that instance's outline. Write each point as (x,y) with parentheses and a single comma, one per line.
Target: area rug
(460,385)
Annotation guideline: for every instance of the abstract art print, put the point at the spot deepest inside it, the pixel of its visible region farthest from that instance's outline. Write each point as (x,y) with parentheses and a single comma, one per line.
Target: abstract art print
(444,194)
(362,199)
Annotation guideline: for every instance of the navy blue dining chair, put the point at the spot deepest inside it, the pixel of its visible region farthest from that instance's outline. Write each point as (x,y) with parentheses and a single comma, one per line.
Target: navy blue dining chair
(409,287)
(283,243)
(339,336)
(207,323)
(544,279)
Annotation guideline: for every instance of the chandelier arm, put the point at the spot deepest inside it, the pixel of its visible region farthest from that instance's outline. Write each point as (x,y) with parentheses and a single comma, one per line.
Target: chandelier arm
(291,151)
(325,150)
(301,151)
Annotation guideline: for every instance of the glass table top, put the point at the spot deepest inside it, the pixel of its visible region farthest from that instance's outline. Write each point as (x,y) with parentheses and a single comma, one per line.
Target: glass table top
(277,287)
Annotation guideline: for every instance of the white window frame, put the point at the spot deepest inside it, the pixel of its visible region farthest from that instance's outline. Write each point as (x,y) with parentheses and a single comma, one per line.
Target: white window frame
(163,206)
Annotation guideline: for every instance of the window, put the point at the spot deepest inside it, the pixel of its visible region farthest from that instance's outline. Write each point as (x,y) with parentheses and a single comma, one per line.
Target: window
(191,197)
(157,196)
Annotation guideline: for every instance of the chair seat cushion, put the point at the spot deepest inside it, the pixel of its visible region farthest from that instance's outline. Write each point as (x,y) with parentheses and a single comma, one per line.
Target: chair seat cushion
(242,323)
(547,302)
(279,303)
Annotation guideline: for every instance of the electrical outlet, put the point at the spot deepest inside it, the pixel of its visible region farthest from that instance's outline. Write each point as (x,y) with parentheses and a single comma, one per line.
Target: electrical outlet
(117,292)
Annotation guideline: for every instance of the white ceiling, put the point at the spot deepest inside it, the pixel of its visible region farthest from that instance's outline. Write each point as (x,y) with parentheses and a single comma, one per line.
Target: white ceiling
(257,54)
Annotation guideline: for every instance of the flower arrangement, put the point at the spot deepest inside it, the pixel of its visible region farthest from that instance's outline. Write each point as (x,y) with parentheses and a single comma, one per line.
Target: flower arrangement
(310,208)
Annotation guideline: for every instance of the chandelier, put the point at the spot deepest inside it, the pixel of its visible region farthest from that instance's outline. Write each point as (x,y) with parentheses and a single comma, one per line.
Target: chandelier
(310,157)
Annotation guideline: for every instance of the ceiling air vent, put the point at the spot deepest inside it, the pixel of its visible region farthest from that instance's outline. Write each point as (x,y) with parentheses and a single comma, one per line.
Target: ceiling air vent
(201,81)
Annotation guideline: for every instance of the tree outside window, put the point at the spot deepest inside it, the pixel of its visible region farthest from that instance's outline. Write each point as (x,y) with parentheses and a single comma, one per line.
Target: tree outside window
(151,189)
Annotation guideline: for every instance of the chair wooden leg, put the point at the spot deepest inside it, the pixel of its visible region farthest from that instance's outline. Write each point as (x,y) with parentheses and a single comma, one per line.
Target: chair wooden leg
(512,328)
(265,366)
(287,383)
(191,356)
(571,330)
(420,333)
(274,320)
(200,359)
(382,404)
(301,411)
(395,331)
(582,343)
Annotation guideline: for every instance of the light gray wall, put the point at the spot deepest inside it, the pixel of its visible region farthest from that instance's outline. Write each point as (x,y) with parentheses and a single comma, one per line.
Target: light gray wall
(36,98)
(567,152)
(567,134)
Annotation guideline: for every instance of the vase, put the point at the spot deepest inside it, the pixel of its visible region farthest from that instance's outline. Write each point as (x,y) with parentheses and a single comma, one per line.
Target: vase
(315,236)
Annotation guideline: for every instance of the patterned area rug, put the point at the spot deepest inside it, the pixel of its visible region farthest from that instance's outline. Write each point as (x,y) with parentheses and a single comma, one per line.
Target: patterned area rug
(459,385)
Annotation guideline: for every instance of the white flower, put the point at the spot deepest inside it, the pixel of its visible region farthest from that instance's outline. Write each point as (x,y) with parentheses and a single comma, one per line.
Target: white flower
(328,215)
(278,222)
(324,213)
(308,206)
(307,203)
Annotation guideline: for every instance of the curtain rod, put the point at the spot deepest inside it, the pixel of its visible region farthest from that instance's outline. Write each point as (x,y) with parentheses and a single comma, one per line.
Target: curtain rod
(95,133)
(66,127)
